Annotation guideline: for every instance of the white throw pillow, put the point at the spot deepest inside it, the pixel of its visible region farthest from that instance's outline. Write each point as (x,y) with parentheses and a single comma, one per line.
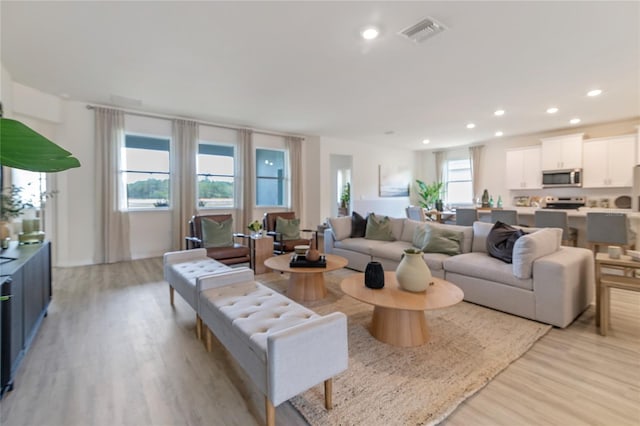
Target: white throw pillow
(340,227)
(531,247)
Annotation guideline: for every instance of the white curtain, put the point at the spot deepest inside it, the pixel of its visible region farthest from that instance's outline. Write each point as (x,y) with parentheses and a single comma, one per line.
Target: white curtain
(294,146)
(183,180)
(247,180)
(112,235)
(475,155)
(439,156)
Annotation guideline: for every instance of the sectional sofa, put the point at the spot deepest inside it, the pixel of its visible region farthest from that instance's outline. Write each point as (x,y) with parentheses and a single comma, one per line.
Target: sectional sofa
(546,282)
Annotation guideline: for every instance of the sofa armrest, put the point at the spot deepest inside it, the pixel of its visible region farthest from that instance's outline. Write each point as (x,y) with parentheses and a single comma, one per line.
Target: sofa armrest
(563,285)
(236,275)
(329,241)
(173,257)
(305,355)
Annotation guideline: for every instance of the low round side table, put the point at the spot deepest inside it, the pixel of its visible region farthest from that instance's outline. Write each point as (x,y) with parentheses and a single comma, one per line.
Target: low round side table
(398,315)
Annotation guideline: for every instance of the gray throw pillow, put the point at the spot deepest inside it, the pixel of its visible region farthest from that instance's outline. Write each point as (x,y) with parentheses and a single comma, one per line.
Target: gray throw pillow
(378,229)
(445,241)
(289,228)
(217,234)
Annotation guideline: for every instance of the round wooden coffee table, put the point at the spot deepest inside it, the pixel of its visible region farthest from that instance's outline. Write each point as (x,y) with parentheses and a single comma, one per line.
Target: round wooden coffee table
(398,315)
(305,284)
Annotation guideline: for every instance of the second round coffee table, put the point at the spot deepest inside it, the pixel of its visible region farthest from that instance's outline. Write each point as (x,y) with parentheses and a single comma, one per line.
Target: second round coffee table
(305,284)
(398,315)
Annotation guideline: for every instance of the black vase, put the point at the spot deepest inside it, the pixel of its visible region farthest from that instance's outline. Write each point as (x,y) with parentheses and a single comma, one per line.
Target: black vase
(374,275)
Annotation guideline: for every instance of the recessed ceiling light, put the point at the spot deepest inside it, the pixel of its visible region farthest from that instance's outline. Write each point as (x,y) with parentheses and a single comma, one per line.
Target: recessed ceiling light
(426,141)
(594,92)
(574,120)
(470,126)
(499,133)
(552,110)
(498,112)
(370,33)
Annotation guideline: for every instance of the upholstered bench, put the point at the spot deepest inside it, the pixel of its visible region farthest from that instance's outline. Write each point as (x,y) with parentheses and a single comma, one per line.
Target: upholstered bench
(283,347)
(191,271)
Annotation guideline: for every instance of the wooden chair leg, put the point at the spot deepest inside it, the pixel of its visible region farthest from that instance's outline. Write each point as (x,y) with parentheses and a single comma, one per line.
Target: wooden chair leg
(198,327)
(209,340)
(270,412)
(171,291)
(328,391)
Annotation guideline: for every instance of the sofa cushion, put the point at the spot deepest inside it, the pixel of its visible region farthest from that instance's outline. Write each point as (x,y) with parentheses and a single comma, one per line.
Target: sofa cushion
(480,232)
(408,229)
(378,228)
(360,245)
(358,225)
(217,234)
(441,240)
(419,234)
(501,239)
(397,226)
(340,227)
(289,228)
(532,246)
(483,266)
(390,250)
(435,260)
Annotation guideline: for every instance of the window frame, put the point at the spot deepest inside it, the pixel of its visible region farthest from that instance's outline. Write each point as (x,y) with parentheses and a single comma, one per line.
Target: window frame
(234,176)
(286,184)
(447,180)
(123,170)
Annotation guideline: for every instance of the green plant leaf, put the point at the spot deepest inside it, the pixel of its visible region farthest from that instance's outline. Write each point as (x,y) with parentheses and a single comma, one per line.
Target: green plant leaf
(26,149)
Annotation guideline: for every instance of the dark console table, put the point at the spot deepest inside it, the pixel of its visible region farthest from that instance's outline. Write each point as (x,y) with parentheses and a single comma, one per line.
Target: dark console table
(25,277)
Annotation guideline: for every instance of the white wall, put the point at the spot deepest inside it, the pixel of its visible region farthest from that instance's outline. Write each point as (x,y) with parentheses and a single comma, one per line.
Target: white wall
(364,176)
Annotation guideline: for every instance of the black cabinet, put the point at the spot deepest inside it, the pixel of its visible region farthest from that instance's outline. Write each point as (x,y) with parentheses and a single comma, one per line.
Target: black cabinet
(25,276)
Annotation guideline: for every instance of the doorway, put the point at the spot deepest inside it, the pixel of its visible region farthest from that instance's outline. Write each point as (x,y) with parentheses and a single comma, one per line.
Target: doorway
(341,184)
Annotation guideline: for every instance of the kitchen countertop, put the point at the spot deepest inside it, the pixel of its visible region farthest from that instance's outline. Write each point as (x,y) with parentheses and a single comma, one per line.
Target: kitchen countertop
(581,212)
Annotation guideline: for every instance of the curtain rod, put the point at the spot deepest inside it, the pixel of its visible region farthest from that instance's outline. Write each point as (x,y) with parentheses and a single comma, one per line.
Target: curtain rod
(207,123)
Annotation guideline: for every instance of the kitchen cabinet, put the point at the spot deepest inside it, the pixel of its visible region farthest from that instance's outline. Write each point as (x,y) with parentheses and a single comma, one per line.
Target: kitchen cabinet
(25,276)
(608,162)
(562,152)
(523,169)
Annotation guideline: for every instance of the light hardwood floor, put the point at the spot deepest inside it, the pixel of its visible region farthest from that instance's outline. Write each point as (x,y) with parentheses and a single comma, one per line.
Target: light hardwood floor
(113,351)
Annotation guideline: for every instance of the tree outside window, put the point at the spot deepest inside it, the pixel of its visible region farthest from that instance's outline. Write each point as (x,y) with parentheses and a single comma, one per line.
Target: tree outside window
(216,175)
(145,170)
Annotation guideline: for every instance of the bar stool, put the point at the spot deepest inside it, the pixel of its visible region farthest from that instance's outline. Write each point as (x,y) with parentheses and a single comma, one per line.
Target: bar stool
(557,219)
(609,229)
(466,217)
(510,217)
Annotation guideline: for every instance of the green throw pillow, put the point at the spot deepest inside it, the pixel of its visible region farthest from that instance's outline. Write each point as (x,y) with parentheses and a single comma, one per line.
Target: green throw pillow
(217,234)
(289,228)
(445,241)
(378,229)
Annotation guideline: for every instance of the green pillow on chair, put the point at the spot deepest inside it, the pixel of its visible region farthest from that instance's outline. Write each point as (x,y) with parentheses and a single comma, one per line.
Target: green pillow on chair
(217,234)
(289,228)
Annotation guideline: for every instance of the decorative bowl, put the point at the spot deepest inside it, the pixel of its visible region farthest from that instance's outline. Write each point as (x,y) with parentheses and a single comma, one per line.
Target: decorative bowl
(301,249)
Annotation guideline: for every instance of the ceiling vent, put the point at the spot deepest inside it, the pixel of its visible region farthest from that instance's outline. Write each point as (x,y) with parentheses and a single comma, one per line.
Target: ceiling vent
(421,31)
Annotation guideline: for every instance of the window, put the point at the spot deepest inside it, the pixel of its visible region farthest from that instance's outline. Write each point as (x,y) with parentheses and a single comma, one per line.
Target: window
(270,168)
(145,170)
(216,174)
(458,187)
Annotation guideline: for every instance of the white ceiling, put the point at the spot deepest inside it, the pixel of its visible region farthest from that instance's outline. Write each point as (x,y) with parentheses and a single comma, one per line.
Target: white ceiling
(301,67)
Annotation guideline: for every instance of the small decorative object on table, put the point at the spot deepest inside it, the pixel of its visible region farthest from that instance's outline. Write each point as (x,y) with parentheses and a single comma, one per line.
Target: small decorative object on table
(300,261)
(374,275)
(255,228)
(412,273)
(312,254)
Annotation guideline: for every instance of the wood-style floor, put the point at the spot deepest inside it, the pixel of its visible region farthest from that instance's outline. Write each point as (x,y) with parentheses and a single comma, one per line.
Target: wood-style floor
(112,351)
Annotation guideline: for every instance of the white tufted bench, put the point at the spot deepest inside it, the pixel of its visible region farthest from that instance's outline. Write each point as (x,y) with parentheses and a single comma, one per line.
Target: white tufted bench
(191,271)
(284,347)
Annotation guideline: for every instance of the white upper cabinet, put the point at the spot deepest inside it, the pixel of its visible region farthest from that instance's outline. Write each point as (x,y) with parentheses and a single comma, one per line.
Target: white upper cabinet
(523,168)
(608,162)
(562,152)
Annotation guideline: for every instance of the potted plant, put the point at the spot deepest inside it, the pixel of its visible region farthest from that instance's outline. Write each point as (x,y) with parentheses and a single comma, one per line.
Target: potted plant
(255,227)
(345,199)
(11,206)
(429,193)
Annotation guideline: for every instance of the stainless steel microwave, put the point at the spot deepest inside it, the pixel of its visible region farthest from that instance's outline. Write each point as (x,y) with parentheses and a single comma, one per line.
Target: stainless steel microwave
(560,178)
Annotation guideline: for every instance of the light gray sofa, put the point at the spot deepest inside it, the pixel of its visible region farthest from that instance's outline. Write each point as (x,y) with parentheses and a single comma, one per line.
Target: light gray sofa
(546,282)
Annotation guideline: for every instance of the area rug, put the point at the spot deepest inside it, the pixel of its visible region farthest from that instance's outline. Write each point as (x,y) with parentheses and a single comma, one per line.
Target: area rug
(386,385)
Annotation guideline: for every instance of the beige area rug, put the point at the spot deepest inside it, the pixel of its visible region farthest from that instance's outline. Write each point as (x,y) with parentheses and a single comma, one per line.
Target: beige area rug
(386,385)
